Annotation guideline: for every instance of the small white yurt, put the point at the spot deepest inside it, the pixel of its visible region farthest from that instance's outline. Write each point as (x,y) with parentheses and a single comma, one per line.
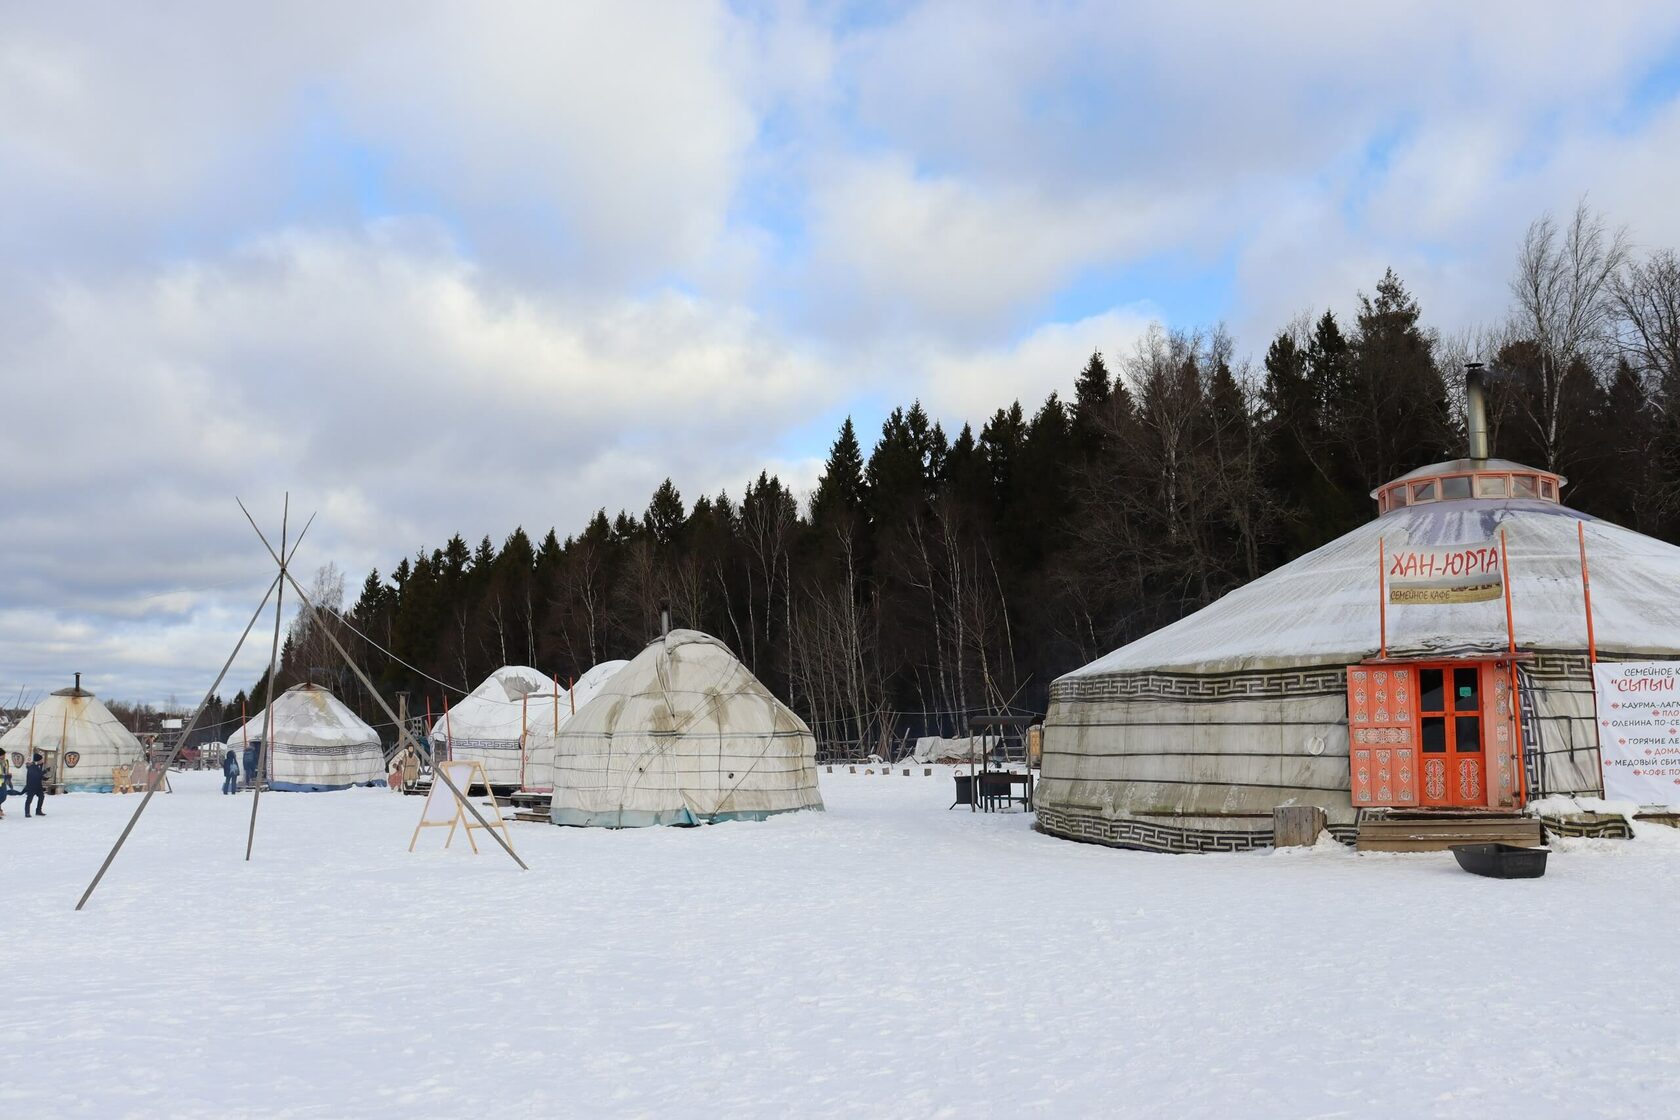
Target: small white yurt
(547,718)
(319,744)
(488,725)
(80,736)
(683,735)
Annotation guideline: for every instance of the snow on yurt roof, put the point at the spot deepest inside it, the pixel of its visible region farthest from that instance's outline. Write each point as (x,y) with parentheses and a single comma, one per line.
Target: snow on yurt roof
(71,719)
(308,715)
(678,680)
(511,682)
(1322,608)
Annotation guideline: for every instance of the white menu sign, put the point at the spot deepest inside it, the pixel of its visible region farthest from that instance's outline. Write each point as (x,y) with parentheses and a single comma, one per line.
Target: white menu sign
(1639,730)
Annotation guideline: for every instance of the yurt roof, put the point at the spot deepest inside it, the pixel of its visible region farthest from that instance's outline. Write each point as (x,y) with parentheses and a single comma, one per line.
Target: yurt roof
(71,719)
(502,707)
(511,682)
(1323,607)
(685,680)
(308,715)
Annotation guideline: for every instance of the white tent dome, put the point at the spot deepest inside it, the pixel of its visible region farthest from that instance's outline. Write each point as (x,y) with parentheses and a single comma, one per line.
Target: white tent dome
(319,744)
(1189,737)
(89,740)
(488,725)
(547,717)
(682,735)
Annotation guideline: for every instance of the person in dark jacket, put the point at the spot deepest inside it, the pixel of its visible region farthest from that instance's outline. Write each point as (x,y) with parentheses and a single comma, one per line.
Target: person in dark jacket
(35,786)
(230,772)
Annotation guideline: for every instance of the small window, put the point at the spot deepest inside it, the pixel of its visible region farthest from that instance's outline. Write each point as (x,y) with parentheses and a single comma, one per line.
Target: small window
(1423,492)
(1464,690)
(1434,734)
(1522,486)
(1456,486)
(1467,731)
(1548,489)
(1396,497)
(1490,486)
(1431,681)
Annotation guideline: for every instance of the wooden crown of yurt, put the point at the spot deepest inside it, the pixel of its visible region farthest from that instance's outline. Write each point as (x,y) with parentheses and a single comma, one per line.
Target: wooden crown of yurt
(1440,658)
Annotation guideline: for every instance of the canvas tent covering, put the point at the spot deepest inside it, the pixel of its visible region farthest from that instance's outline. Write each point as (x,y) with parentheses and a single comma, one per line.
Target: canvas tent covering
(319,744)
(684,734)
(488,725)
(1189,737)
(546,720)
(89,741)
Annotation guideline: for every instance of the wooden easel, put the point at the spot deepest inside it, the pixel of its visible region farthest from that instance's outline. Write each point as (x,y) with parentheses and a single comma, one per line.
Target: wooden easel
(451,812)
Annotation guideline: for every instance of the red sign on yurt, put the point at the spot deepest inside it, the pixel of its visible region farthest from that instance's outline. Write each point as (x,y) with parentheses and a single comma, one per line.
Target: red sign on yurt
(1382,754)
(1468,573)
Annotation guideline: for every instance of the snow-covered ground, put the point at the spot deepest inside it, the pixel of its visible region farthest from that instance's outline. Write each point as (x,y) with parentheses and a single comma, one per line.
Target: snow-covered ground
(885,958)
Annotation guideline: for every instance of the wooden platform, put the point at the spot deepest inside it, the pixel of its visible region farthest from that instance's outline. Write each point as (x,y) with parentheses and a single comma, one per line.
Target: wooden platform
(1414,830)
(532,807)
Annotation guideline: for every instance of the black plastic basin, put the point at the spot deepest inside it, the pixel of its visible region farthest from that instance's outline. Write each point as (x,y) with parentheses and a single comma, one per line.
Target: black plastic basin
(1502,861)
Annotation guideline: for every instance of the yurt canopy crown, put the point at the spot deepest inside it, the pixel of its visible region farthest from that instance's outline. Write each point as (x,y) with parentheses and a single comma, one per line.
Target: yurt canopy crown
(1476,476)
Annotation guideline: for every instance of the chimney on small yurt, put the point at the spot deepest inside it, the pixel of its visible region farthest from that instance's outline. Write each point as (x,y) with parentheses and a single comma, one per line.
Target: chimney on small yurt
(1475,407)
(78,682)
(664,620)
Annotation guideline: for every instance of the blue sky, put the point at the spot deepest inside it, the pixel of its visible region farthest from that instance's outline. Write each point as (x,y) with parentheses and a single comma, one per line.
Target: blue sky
(434,267)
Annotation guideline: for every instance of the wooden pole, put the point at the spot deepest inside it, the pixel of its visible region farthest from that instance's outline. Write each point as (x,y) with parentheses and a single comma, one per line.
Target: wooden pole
(1505,572)
(191,726)
(361,676)
(557,703)
(448,735)
(1586,594)
(1382,603)
(524,718)
(1516,681)
(265,752)
(1592,646)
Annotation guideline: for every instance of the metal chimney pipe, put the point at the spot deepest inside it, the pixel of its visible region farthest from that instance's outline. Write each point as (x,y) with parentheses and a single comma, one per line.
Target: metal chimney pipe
(1475,407)
(78,682)
(664,620)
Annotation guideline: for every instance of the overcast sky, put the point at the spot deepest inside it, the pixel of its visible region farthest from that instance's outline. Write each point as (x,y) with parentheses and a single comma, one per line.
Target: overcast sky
(461,267)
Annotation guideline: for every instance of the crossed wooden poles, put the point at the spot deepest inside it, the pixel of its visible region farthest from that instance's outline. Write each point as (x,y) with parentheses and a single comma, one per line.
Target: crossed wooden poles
(276,589)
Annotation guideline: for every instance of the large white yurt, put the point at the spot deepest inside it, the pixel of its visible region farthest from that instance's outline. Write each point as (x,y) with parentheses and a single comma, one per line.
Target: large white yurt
(683,735)
(319,744)
(1375,673)
(85,741)
(548,717)
(488,725)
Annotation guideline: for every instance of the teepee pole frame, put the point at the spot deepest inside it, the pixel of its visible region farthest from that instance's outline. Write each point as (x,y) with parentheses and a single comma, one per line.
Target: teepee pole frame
(265,753)
(379,699)
(192,725)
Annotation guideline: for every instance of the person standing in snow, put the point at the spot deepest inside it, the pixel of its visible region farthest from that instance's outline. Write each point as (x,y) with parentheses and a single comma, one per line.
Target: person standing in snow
(35,786)
(6,789)
(230,772)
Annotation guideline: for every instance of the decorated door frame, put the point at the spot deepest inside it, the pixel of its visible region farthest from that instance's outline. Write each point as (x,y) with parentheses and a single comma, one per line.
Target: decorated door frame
(1420,740)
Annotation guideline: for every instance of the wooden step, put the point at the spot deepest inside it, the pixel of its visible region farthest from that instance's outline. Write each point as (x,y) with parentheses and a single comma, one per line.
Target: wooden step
(1436,832)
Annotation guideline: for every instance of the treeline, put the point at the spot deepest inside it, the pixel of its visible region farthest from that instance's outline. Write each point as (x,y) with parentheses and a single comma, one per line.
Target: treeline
(933,574)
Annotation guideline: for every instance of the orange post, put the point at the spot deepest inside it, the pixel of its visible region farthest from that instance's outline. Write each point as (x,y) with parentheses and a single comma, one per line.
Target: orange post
(1516,683)
(1586,592)
(1505,572)
(1382,602)
(448,738)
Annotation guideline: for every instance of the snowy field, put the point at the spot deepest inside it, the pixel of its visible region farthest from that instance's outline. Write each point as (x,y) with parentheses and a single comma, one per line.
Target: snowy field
(885,958)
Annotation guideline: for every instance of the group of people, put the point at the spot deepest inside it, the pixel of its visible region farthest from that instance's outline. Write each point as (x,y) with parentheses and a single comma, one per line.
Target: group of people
(34,784)
(230,769)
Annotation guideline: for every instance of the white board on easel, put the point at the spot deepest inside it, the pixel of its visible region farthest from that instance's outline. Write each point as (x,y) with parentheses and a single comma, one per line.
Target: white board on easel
(444,810)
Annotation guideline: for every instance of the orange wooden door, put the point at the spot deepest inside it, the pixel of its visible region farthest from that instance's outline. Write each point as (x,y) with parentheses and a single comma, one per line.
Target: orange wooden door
(1450,736)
